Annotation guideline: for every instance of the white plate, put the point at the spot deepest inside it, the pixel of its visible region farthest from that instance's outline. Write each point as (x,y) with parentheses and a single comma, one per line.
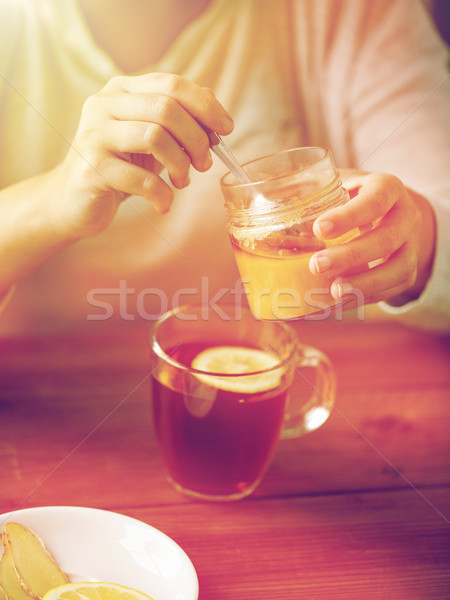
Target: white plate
(97,545)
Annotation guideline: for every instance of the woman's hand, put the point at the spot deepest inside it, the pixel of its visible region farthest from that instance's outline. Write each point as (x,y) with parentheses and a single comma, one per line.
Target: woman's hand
(128,132)
(393,256)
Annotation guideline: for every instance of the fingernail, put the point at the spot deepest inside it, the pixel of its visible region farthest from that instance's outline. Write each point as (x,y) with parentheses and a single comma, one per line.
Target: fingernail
(339,289)
(319,264)
(207,163)
(323,229)
(181,183)
(162,210)
(186,181)
(227,124)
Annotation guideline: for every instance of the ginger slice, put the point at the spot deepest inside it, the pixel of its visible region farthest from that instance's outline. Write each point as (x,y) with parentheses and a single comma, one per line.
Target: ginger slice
(9,581)
(36,568)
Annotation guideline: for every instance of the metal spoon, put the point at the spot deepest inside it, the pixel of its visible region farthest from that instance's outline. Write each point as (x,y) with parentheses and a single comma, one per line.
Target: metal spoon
(222,151)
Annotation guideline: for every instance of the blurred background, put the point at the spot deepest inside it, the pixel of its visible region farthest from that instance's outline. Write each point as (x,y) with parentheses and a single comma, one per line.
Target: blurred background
(440,11)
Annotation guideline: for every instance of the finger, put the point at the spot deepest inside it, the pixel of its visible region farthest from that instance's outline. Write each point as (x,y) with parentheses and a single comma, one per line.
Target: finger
(138,137)
(376,196)
(167,113)
(200,102)
(383,281)
(390,234)
(354,298)
(130,179)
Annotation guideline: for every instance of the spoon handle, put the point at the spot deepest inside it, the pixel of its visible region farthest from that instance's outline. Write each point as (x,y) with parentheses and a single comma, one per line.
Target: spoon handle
(222,151)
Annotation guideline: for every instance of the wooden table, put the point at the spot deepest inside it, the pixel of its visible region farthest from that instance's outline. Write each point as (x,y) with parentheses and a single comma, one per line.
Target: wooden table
(357,510)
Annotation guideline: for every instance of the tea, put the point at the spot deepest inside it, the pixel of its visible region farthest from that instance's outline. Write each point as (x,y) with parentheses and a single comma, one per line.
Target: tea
(216,441)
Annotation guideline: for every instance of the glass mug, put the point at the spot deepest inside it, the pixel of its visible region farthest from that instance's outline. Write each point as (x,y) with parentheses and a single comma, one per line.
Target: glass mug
(270,226)
(225,388)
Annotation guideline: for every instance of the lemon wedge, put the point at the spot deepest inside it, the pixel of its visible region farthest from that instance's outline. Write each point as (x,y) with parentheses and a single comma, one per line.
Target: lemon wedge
(94,590)
(239,360)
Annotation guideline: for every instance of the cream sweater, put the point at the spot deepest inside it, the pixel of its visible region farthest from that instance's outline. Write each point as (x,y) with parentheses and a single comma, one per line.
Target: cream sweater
(366,79)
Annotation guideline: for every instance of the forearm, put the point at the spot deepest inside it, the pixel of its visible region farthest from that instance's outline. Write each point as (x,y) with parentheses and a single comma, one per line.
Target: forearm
(31,231)
(129,131)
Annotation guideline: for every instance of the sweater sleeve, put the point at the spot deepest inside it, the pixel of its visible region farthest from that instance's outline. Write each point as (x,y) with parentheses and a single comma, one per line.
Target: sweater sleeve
(398,111)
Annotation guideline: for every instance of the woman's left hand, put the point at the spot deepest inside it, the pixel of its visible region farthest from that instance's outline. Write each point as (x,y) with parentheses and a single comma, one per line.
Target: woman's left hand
(392,257)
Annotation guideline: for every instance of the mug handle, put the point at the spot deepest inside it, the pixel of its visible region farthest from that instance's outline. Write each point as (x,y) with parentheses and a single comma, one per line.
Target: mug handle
(302,417)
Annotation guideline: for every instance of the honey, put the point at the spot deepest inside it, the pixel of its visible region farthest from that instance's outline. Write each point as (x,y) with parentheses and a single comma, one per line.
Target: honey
(279,284)
(270,223)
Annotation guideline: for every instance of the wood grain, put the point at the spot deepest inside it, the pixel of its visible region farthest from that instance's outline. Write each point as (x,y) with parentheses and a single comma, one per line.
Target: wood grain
(358,509)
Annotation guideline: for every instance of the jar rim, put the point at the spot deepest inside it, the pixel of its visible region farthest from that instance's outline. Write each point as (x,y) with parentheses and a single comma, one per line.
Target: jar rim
(325,154)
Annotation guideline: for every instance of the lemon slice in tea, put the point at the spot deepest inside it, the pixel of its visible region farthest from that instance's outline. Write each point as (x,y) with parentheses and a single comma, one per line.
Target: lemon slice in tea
(94,590)
(239,360)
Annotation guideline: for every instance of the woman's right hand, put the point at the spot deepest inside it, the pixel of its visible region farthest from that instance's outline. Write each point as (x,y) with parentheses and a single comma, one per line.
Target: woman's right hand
(128,132)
